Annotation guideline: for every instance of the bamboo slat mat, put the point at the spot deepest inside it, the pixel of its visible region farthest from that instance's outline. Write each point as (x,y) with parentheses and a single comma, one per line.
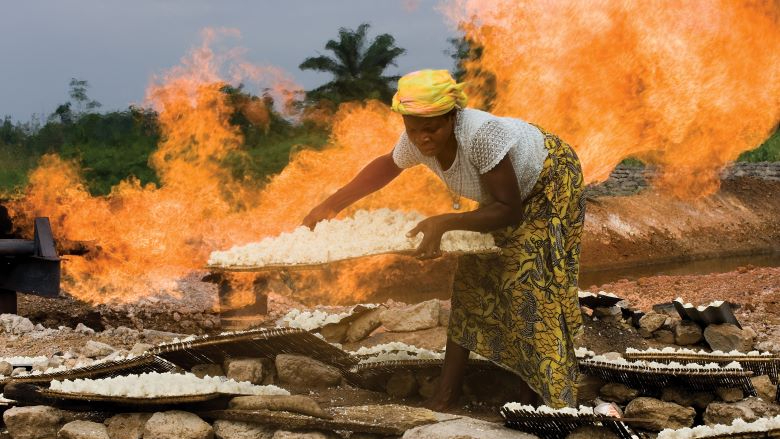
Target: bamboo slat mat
(650,380)
(370,374)
(344,419)
(320,265)
(758,364)
(136,365)
(770,434)
(261,343)
(559,425)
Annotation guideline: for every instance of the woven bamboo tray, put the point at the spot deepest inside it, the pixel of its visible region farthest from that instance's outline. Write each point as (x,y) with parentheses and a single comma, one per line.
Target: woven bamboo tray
(758,364)
(370,374)
(136,365)
(559,425)
(320,265)
(261,343)
(651,380)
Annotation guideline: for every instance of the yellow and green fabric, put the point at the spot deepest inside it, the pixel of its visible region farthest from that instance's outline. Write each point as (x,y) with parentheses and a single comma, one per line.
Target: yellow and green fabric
(520,309)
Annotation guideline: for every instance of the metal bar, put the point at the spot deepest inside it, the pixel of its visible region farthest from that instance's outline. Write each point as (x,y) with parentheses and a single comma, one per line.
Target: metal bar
(7,302)
(17,247)
(44,240)
(32,275)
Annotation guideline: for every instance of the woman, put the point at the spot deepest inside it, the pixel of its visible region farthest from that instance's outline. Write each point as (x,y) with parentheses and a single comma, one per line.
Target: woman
(520,309)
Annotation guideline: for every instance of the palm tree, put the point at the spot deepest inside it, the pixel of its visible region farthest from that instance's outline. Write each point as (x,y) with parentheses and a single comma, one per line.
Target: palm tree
(357,70)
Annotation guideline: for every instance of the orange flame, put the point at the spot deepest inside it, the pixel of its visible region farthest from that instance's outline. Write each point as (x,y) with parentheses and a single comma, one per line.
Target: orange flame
(686,86)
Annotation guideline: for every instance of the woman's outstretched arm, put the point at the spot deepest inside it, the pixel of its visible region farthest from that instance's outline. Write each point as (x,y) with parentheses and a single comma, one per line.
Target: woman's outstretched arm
(376,175)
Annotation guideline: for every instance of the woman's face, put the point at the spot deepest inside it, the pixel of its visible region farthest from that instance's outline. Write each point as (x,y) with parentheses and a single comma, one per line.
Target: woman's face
(430,134)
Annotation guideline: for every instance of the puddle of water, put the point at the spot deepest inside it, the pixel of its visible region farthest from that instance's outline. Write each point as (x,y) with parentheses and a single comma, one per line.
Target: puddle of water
(698,267)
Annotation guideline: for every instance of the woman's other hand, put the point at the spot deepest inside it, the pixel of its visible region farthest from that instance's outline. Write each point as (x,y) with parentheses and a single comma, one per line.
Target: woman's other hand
(322,212)
(433,229)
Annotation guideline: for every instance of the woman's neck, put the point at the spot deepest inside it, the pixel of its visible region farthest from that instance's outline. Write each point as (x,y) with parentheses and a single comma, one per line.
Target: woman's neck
(447,155)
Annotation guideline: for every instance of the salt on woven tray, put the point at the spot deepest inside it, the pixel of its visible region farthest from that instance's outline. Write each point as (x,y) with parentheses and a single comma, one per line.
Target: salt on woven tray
(740,429)
(550,423)
(98,369)
(367,233)
(259,343)
(647,375)
(760,363)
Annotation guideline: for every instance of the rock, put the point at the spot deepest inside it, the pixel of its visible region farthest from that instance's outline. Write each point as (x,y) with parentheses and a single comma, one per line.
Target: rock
(290,403)
(84,329)
(177,425)
(727,337)
(305,371)
(412,318)
(212,370)
(402,385)
(764,388)
(95,349)
(247,369)
(686,398)
(335,332)
(592,432)
(364,325)
(749,409)
(687,333)
(6,368)
(140,348)
(283,434)
(18,371)
(34,422)
(83,430)
(619,393)
(400,417)
(588,387)
(16,325)
(242,430)
(445,309)
(725,413)
(465,428)
(729,394)
(657,415)
(664,336)
(427,381)
(652,321)
(607,312)
(127,425)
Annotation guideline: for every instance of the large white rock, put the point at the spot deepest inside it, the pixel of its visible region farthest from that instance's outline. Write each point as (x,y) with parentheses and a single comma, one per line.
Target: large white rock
(304,371)
(242,430)
(728,337)
(96,349)
(465,428)
(127,425)
(412,318)
(14,324)
(83,430)
(35,422)
(177,425)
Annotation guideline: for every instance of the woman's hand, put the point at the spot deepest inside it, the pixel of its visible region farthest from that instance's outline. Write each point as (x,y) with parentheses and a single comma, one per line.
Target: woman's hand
(322,212)
(432,229)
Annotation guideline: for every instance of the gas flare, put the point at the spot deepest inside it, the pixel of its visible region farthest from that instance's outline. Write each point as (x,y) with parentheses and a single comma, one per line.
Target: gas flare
(686,86)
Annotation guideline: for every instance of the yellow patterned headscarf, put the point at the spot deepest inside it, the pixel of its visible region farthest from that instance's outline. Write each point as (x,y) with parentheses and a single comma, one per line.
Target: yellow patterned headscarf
(428,93)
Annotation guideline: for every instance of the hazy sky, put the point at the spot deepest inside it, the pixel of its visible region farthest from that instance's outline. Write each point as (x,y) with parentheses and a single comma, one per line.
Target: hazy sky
(118,45)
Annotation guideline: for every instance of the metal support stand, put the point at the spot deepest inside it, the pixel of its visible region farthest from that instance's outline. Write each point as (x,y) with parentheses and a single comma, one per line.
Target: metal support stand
(7,302)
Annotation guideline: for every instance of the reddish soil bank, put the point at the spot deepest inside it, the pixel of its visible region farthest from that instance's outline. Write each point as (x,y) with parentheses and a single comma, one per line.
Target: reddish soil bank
(743,218)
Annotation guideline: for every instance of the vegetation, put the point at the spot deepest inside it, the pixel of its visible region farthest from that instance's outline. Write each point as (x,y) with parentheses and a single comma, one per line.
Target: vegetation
(357,67)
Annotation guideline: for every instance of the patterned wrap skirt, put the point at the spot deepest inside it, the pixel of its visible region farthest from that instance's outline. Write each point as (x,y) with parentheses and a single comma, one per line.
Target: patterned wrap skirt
(520,309)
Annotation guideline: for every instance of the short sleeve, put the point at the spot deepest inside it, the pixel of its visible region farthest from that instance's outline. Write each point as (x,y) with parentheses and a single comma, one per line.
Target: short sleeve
(489,145)
(405,154)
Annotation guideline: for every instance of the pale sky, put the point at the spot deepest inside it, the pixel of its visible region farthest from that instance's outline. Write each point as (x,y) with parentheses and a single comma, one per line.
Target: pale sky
(118,45)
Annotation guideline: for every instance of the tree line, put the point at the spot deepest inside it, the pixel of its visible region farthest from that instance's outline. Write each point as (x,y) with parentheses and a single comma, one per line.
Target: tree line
(111,146)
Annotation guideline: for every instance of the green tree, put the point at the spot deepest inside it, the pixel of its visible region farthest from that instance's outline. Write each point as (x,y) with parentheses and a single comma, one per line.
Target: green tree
(466,54)
(357,67)
(78,92)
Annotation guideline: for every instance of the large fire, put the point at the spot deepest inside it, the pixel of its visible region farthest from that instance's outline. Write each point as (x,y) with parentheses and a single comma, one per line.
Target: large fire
(687,86)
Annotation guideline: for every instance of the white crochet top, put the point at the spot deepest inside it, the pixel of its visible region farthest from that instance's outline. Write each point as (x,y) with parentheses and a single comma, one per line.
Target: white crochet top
(483,140)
